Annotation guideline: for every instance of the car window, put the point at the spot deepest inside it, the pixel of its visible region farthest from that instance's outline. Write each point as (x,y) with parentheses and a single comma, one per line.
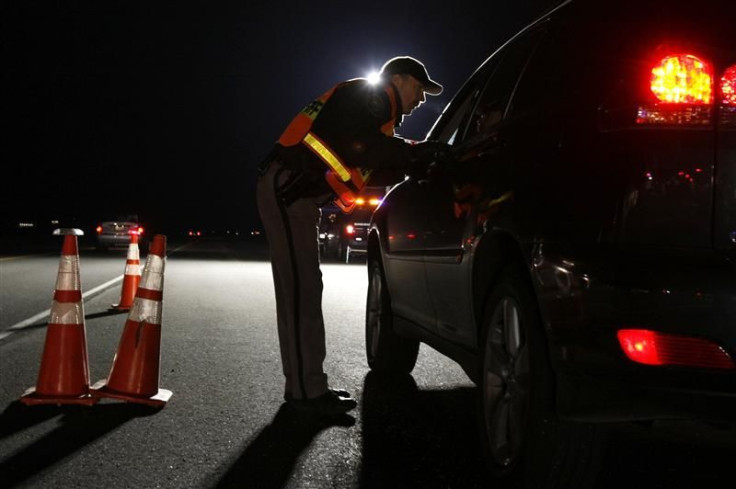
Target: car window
(494,100)
(552,70)
(120,218)
(456,115)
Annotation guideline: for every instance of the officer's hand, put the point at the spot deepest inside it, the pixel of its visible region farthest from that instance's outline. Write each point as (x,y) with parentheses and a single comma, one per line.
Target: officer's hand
(430,151)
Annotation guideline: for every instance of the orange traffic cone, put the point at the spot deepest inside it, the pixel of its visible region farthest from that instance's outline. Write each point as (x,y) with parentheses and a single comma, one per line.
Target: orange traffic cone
(64,374)
(132,275)
(135,372)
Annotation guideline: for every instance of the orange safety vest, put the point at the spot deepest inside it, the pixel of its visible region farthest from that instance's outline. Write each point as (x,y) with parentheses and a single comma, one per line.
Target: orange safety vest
(345,181)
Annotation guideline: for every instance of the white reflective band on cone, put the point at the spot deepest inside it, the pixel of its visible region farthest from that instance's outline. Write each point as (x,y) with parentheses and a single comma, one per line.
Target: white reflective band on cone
(145,311)
(66,313)
(133,253)
(132,269)
(68,277)
(153,273)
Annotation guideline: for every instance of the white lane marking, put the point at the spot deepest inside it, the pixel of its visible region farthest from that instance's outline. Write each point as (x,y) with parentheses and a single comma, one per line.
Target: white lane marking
(33,319)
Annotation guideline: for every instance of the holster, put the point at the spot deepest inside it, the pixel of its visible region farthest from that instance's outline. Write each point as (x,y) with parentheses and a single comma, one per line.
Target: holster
(293,188)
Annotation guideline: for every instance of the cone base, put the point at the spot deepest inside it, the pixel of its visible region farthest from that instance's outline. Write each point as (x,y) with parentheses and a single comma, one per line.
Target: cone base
(100,389)
(33,398)
(120,307)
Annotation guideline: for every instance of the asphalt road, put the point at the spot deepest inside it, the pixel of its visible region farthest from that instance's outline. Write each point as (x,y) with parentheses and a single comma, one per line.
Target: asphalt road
(225,425)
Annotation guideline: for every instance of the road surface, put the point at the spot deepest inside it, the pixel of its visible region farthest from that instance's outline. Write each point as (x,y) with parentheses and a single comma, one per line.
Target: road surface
(225,425)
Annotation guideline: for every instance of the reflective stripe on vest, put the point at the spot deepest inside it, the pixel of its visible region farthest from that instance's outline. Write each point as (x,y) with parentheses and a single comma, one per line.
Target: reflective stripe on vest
(345,181)
(331,159)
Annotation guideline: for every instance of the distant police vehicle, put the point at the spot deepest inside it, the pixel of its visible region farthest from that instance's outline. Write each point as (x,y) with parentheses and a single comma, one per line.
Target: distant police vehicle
(342,236)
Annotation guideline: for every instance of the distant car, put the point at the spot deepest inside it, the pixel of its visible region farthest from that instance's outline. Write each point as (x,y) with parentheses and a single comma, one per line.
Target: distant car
(116,232)
(344,235)
(576,251)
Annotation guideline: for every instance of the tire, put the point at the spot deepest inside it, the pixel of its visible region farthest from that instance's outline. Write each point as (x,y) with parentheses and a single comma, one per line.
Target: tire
(522,437)
(386,351)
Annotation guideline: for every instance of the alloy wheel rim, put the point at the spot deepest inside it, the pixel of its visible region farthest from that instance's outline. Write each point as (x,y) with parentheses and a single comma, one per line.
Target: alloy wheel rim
(505,383)
(375,311)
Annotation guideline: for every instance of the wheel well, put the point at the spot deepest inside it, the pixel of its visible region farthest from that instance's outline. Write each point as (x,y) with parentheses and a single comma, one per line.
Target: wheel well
(374,247)
(495,252)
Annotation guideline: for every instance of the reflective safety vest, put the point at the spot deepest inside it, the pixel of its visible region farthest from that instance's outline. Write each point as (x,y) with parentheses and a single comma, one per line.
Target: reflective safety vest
(345,181)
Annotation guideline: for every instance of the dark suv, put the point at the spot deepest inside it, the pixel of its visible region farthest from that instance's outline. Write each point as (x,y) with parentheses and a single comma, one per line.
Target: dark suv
(576,251)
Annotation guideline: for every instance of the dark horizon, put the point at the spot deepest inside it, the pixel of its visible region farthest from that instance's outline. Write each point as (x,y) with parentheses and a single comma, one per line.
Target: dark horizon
(166,112)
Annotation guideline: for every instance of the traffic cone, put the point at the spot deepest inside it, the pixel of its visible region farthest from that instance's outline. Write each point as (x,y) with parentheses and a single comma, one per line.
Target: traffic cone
(64,374)
(132,275)
(135,372)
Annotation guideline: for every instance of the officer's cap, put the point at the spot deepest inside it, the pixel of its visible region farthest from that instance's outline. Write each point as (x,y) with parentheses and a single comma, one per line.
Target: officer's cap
(406,65)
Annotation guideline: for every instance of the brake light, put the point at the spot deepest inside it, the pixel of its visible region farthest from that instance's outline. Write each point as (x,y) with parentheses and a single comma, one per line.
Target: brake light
(728,86)
(683,87)
(682,79)
(98,229)
(138,231)
(654,348)
(359,201)
(349,229)
(374,202)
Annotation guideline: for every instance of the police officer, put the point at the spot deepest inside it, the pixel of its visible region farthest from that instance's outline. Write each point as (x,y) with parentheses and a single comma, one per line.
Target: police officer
(328,152)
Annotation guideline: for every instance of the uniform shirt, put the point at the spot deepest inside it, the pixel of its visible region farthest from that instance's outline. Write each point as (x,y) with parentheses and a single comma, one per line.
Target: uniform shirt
(350,124)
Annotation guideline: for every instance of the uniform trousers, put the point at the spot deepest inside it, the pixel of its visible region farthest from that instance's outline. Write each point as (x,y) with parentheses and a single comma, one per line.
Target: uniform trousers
(292,232)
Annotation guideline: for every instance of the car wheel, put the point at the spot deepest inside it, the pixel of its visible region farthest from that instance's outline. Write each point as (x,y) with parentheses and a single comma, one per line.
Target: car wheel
(521,434)
(387,352)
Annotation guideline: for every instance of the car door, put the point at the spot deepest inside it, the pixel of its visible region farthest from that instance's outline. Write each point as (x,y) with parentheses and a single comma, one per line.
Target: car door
(468,192)
(404,219)
(408,212)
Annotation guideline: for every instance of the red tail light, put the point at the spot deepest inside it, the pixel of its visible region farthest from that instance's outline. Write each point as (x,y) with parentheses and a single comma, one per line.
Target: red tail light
(654,348)
(683,87)
(728,86)
(140,231)
(98,229)
(359,201)
(682,79)
(349,229)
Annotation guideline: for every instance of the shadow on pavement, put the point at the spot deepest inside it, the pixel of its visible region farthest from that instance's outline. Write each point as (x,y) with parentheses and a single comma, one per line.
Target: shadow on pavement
(44,323)
(419,439)
(78,426)
(670,455)
(269,459)
(102,314)
(428,439)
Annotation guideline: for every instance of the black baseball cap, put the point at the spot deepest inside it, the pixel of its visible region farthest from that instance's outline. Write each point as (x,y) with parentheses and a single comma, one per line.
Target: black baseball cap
(406,65)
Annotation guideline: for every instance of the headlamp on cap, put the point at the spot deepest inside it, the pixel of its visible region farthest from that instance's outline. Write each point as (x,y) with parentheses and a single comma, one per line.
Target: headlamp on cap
(373,77)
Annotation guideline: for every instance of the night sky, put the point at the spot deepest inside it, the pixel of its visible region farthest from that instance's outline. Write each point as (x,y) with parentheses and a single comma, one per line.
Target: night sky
(165,110)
